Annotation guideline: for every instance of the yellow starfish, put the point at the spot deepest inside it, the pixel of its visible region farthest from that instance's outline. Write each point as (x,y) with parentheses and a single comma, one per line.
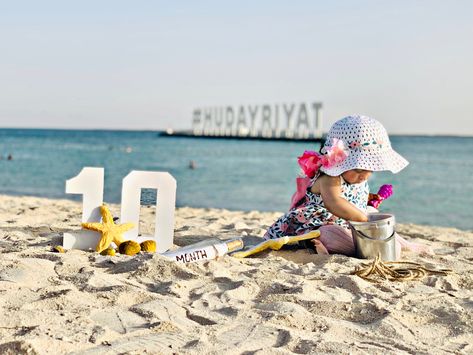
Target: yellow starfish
(111,232)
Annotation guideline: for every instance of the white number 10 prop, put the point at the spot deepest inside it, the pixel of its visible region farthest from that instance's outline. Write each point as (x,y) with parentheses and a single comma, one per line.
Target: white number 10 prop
(90,182)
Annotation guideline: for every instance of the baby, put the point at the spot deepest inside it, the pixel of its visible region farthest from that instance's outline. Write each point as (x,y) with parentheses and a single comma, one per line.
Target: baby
(334,188)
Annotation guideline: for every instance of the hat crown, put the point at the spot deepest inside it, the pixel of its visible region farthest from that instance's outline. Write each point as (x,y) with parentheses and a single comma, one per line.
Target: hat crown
(359,132)
(367,143)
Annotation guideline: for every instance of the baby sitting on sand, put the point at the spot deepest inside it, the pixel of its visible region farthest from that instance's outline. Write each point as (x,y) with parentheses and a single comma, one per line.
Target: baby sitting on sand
(335,188)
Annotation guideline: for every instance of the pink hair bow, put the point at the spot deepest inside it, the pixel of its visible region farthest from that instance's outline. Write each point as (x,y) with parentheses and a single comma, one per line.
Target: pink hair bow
(310,162)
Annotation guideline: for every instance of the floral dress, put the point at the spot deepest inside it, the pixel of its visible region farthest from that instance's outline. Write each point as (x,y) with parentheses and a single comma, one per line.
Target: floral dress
(310,213)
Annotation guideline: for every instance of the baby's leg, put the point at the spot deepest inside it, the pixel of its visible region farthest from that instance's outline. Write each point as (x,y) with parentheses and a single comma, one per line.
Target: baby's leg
(402,244)
(338,240)
(334,240)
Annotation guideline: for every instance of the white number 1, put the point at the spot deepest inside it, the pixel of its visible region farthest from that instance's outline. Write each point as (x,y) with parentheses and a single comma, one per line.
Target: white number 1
(90,181)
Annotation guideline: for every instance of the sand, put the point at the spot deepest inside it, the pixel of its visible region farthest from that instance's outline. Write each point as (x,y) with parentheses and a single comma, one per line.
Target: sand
(276,303)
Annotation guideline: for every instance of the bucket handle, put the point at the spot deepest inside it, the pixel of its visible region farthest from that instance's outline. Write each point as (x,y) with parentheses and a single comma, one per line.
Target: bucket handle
(367,236)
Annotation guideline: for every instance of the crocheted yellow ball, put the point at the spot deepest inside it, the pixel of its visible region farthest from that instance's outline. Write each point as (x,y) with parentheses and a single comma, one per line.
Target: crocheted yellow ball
(148,246)
(108,251)
(129,247)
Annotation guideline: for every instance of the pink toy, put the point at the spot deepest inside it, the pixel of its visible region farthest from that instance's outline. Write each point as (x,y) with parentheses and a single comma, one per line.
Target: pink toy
(384,193)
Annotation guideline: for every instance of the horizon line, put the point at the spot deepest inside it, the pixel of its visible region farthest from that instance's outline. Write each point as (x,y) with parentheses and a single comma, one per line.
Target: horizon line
(453,135)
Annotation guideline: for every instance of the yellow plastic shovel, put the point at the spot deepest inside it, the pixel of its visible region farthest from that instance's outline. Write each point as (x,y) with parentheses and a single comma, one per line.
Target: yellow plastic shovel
(276,244)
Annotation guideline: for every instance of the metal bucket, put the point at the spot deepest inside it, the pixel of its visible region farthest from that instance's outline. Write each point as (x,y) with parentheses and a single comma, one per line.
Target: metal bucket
(375,237)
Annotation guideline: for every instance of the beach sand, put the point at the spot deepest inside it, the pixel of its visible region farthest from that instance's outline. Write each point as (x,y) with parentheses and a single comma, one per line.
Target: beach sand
(276,303)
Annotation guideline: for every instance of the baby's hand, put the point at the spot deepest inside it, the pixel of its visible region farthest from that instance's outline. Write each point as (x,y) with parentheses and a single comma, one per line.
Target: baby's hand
(384,193)
(373,196)
(374,200)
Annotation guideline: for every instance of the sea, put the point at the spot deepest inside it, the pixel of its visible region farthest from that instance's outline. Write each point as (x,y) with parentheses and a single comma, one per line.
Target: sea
(435,189)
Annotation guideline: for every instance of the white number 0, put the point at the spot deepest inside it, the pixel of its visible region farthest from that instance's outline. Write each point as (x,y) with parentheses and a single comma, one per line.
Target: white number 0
(90,183)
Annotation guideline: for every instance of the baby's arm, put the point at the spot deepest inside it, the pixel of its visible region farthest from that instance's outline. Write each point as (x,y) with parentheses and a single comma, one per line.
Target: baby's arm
(330,189)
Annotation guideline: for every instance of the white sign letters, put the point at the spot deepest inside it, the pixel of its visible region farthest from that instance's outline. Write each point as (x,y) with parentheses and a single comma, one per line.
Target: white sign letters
(302,120)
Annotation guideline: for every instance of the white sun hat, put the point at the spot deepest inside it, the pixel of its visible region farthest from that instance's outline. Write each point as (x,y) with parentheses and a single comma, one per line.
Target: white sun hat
(367,144)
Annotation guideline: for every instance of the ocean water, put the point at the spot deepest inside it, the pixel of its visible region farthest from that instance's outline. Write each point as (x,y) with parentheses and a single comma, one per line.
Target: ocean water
(435,189)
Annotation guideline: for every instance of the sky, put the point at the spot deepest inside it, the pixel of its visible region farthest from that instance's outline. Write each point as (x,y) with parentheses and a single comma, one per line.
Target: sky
(148,64)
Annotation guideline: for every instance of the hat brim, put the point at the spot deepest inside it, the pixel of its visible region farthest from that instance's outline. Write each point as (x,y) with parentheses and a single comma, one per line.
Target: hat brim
(388,160)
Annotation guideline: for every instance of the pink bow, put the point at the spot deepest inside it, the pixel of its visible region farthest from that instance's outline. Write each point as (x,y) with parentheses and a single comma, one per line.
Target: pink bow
(310,162)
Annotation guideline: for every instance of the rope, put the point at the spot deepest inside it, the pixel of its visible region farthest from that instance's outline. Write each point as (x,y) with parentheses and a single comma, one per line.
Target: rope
(395,271)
